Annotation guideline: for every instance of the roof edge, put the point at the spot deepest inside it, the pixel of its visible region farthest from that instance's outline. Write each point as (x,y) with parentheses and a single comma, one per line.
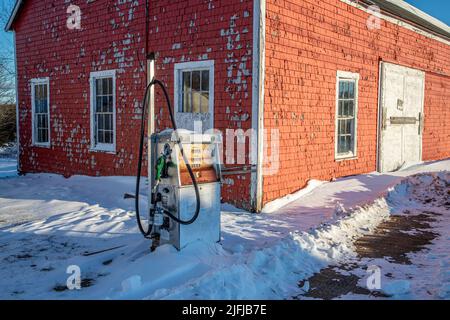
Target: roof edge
(402,9)
(13,15)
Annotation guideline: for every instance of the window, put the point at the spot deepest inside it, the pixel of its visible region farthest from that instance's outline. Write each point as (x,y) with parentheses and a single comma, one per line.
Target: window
(103,113)
(194,87)
(40,106)
(346,114)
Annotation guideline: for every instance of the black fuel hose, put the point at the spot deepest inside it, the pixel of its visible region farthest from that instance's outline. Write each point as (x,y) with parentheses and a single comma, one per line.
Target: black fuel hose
(141,151)
(139,168)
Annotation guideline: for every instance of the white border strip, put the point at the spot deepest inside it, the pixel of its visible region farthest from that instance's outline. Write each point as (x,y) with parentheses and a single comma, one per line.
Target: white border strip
(102,147)
(34,82)
(192,66)
(258,78)
(17,104)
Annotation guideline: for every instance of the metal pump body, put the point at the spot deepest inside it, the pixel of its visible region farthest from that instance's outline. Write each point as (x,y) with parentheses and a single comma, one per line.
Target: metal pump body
(172,189)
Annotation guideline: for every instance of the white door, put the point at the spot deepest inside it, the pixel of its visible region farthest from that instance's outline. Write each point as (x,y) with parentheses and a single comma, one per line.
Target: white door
(402,97)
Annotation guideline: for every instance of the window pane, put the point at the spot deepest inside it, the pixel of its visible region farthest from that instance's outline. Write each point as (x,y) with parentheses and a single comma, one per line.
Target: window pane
(196,80)
(341,142)
(187,107)
(351,90)
(341,89)
(346,116)
(44,135)
(346,145)
(102,136)
(108,122)
(44,106)
(340,107)
(100,122)
(349,128)
(37,105)
(40,121)
(205,80)
(44,92)
(98,104)
(196,102)
(39,136)
(351,105)
(186,100)
(186,81)
(105,107)
(205,102)
(110,104)
(108,137)
(345,89)
(37,92)
(105,84)
(110,86)
(45,122)
(40,99)
(99,87)
(344,127)
(195,91)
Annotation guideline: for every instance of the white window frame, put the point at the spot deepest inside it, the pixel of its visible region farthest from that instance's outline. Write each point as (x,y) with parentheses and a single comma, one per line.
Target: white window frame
(34,82)
(104,147)
(344,75)
(193,66)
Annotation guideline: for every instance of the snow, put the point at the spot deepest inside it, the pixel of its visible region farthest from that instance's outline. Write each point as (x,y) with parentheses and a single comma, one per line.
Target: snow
(273,272)
(277,204)
(427,275)
(8,163)
(8,168)
(48,223)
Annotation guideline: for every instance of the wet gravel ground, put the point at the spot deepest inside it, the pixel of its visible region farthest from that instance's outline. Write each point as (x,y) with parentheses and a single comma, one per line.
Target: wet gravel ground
(408,233)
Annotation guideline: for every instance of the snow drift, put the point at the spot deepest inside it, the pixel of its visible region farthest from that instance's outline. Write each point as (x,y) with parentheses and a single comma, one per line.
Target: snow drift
(251,263)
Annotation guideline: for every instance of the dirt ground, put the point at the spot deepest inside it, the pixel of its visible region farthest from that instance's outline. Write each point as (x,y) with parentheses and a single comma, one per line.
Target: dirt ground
(411,231)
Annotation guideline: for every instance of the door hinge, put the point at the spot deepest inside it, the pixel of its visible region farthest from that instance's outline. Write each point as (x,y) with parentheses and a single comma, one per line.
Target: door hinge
(420,124)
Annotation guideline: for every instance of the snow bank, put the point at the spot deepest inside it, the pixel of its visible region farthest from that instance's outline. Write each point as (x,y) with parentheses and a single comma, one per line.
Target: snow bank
(274,272)
(275,205)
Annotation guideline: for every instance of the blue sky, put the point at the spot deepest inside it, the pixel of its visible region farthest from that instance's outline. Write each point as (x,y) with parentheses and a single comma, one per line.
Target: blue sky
(437,8)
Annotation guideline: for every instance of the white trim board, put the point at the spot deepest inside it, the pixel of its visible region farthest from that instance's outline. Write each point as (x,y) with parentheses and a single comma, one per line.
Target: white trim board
(193,66)
(34,82)
(108,148)
(258,78)
(17,104)
(345,75)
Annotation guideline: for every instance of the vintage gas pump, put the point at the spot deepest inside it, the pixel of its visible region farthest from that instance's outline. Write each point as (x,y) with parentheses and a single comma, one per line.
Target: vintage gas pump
(184,172)
(175,193)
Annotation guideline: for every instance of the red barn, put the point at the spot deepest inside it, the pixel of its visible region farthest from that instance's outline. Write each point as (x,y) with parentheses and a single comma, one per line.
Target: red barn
(325,89)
